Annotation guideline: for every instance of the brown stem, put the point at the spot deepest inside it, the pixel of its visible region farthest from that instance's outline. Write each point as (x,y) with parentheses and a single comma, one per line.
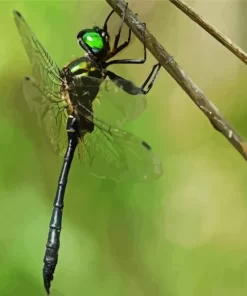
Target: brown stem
(237,51)
(193,91)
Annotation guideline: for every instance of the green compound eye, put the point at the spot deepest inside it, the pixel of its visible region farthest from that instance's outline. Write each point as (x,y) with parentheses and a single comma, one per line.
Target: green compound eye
(93,40)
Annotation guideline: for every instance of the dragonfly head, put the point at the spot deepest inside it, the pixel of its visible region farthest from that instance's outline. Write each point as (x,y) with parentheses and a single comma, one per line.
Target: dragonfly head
(95,42)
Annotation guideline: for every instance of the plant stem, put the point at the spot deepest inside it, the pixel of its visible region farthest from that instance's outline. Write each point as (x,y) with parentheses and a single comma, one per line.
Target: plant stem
(193,91)
(236,50)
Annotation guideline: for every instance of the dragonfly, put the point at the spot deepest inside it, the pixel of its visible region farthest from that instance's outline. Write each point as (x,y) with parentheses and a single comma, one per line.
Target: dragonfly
(83,106)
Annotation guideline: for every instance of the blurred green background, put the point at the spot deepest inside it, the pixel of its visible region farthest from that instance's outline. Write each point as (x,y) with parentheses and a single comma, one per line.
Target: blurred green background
(184,235)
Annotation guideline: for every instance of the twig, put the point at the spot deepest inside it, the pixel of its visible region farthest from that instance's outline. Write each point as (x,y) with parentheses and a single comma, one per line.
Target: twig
(168,62)
(237,51)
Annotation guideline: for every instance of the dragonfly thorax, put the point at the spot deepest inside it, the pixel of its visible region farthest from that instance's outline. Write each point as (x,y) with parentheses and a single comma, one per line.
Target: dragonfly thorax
(83,77)
(83,67)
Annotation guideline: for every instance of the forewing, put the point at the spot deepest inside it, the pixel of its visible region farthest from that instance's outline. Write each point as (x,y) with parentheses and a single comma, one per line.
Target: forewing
(45,70)
(43,92)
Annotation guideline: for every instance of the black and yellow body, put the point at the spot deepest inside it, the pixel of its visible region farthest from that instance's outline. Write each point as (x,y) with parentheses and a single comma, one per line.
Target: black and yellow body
(83,78)
(53,91)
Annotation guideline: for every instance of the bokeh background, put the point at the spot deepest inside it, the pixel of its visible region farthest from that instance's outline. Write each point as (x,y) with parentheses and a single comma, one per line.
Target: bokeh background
(183,235)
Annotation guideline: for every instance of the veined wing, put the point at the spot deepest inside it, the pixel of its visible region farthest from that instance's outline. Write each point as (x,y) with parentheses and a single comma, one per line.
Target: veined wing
(115,106)
(50,113)
(118,155)
(42,92)
(45,70)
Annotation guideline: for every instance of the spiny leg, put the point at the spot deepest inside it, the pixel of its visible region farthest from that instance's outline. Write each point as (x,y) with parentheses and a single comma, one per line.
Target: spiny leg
(117,49)
(156,69)
(129,87)
(107,19)
(132,61)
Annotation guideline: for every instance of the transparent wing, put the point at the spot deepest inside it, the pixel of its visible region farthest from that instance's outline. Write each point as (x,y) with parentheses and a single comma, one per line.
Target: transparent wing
(110,152)
(45,70)
(118,155)
(50,113)
(115,105)
(107,152)
(42,92)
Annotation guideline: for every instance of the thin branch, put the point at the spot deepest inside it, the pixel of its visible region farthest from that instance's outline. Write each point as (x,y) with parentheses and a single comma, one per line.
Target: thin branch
(193,91)
(236,50)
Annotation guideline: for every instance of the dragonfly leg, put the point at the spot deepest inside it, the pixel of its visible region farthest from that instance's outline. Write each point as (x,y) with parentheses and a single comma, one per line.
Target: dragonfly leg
(129,87)
(131,61)
(107,19)
(154,72)
(116,49)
